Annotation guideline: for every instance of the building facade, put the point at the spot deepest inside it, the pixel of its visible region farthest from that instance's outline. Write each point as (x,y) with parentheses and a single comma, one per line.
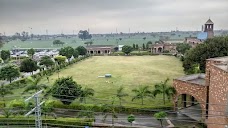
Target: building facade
(99,49)
(210,90)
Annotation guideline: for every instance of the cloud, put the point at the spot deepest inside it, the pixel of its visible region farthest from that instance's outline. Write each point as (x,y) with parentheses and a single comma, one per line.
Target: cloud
(103,16)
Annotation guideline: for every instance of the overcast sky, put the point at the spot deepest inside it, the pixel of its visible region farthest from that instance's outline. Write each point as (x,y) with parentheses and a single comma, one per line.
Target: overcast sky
(104,16)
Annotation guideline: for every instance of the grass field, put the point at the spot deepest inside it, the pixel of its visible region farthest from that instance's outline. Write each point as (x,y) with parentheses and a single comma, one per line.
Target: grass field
(127,71)
(96,40)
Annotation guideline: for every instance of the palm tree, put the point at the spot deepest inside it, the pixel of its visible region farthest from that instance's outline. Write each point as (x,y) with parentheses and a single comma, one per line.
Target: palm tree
(164,89)
(34,84)
(141,93)
(3,92)
(86,92)
(120,94)
(110,109)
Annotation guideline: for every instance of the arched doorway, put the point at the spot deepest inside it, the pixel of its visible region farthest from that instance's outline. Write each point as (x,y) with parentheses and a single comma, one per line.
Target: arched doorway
(160,50)
(188,105)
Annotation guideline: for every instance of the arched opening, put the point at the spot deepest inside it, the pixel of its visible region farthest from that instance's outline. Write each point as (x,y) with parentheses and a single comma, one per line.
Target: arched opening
(159,49)
(91,52)
(99,52)
(188,105)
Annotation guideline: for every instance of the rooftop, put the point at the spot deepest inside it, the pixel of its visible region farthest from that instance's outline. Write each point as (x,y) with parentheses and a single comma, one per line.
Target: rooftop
(209,22)
(202,36)
(195,79)
(222,59)
(95,46)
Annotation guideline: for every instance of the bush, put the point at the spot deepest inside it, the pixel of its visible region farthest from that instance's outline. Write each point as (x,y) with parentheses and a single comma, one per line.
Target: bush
(17,104)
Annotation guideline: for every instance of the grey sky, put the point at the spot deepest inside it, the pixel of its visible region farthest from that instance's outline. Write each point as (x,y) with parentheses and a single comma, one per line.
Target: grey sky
(104,16)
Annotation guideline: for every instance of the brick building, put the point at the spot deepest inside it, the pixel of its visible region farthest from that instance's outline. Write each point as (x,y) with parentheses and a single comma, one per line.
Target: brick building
(99,49)
(163,46)
(210,90)
(207,32)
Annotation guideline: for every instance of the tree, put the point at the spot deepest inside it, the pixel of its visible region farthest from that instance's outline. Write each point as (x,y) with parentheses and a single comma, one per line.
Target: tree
(84,35)
(46,61)
(5,54)
(127,49)
(213,47)
(131,118)
(160,116)
(58,42)
(144,38)
(86,92)
(31,52)
(89,43)
(183,47)
(66,90)
(164,89)
(67,51)
(141,93)
(28,65)
(4,91)
(1,42)
(120,94)
(110,109)
(33,84)
(76,53)
(136,47)
(9,72)
(144,47)
(148,43)
(60,59)
(82,50)
(133,46)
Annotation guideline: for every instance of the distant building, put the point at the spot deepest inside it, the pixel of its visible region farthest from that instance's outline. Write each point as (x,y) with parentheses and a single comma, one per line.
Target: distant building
(163,46)
(99,49)
(207,32)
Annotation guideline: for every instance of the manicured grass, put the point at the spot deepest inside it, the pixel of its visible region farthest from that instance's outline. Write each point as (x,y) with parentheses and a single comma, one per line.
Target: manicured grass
(127,71)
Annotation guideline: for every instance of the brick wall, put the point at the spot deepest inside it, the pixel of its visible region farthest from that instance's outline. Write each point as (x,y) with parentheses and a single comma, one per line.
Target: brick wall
(217,97)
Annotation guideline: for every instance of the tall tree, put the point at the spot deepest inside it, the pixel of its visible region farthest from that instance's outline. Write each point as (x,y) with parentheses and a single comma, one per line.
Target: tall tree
(46,61)
(120,94)
(3,92)
(213,47)
(86,92)
(28,65)
(76,53)
(144,47)
(33,84)
(66,90)
(133,46)
(160,116)
(136,47)
(5,54)
(183,47)
(9,72)
(148,44)
(31,52)
(127,49)
(82,50)
(84,34)
(164,89)
(67,51)
(110,109)
(141,93)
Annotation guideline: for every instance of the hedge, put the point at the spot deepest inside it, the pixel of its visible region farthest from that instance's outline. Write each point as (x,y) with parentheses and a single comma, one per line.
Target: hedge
(100,108)
(59,122)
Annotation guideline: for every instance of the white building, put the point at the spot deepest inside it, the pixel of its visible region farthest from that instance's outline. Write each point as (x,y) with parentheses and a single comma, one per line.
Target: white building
(120,47)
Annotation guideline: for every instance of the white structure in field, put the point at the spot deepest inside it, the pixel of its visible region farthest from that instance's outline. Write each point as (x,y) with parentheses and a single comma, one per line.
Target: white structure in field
(120,47)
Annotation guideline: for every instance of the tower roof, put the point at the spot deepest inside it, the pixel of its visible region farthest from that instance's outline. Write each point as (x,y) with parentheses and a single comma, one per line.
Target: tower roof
(209,22)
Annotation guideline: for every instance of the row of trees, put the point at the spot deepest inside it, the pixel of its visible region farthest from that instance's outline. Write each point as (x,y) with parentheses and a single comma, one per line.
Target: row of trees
(195,58)
(144,47)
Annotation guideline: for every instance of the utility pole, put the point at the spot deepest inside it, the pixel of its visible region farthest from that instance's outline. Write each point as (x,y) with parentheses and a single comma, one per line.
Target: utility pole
(37,109)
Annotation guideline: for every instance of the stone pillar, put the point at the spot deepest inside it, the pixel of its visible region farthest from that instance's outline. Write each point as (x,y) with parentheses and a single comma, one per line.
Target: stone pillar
(184,99)
(193,101)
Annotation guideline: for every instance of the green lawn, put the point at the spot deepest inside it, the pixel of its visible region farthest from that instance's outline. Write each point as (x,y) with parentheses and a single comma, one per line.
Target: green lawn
(127,71)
